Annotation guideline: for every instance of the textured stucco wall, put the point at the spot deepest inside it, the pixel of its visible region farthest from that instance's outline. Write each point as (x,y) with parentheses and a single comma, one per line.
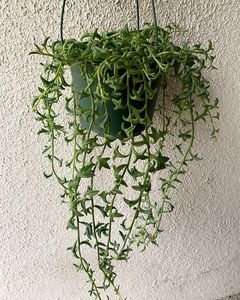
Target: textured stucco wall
(199,255)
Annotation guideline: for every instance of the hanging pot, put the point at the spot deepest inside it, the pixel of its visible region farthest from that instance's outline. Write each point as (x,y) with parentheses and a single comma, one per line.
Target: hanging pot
(115,116)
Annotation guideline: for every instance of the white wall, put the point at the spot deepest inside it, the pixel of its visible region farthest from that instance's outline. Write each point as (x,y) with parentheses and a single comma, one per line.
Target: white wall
(199,255)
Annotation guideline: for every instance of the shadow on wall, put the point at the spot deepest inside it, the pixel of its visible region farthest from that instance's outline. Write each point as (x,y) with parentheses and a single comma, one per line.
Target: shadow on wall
(233,297)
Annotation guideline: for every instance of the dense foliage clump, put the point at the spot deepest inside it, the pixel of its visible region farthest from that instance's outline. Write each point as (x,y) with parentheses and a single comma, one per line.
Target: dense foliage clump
(127,68)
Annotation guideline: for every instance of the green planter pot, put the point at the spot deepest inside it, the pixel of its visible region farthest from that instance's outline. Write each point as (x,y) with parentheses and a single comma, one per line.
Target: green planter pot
(116,117)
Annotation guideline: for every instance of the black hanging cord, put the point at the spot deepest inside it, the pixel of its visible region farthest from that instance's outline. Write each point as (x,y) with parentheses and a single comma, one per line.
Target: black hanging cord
(155,21)
(62,17)
(138,18)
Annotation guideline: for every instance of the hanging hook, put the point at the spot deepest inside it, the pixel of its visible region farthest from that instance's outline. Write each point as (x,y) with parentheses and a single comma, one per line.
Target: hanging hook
(138,21)
(61,23)
(155,21)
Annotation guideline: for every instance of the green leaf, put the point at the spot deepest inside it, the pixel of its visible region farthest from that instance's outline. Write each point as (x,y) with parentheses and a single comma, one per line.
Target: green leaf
(131,203)
(103,195)
(118,154)
(138,187)
(78,267)
(103,162)
(102,210)
(86,242)
(46,148)
(129,130)
(44,81)
(86,171)
(118,169)
(136,114)
(135,173)
(44,44)
(140,143)
(74,249)
(179,148)
(140,156)
(142,187)
(123,236)
(102,229)
(168,207)
(116,191)
(71,224)
(47,175)
(185,135)
(83,203)
(34,101)
(158,162)
(90,192)
(88,231)
(118,104)
(43,130)
(195,157)
(116,214)
(72,184)
(120,181)
(154,243)
(76,213)
(155,135)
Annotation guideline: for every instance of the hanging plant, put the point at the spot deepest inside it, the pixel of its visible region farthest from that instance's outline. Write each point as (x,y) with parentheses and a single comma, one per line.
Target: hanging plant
(117,77)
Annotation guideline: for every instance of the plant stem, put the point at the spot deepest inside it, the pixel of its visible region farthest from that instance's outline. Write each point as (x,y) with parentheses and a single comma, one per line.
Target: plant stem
(165,196)
(114,197)
(76,188)
(93,214)
(47,90)
(145,176)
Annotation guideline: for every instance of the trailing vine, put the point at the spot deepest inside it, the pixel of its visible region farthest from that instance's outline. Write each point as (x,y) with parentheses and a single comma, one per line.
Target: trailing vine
(125,67)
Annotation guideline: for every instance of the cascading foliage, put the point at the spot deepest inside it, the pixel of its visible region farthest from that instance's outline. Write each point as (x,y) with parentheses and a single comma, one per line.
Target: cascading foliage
(123,67)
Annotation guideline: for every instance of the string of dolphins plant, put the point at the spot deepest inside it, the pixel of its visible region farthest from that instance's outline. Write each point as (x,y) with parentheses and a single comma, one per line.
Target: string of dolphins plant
(121,69)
